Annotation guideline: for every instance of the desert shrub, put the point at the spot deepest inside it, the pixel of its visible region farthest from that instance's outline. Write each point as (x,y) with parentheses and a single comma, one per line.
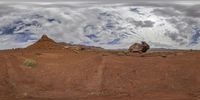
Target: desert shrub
(30,63)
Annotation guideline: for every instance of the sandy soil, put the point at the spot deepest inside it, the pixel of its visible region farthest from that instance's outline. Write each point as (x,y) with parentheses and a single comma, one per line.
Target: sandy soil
(68,74)
(89,75)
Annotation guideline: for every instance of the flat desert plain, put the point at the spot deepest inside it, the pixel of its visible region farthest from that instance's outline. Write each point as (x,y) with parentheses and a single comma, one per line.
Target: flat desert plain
(77,74)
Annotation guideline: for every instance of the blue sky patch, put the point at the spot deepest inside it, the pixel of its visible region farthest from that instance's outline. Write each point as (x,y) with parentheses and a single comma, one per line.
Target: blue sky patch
(16,26)
(24,37)
(53,20)
(91,36)
(115,41)
(196,36)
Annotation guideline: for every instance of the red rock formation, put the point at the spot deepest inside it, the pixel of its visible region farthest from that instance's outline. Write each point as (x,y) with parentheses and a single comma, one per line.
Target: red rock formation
(45,43)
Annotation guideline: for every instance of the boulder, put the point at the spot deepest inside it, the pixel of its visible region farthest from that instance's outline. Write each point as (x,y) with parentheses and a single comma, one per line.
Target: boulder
(139,47)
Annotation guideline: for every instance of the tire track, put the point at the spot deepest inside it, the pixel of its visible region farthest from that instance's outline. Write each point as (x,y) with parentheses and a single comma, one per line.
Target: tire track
(100,73)
(8,65)
(96,84)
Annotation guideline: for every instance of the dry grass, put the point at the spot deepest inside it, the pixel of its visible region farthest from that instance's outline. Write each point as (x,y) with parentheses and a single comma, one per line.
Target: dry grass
(30,63)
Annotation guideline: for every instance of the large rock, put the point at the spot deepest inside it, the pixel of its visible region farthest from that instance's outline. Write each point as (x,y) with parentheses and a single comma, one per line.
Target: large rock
(139,47)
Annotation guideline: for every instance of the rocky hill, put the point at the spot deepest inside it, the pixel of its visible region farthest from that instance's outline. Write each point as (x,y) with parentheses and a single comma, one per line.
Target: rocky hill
(45,43)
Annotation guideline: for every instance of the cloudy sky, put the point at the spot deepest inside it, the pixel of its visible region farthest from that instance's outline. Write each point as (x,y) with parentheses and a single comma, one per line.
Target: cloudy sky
(111,24)
(189,2)
(98,0)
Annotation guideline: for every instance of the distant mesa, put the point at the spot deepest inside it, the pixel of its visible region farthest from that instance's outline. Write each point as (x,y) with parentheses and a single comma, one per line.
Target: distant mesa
(139,47)
(45,43)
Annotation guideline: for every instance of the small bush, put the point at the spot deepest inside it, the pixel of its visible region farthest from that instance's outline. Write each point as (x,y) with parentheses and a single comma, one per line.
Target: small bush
(30,63)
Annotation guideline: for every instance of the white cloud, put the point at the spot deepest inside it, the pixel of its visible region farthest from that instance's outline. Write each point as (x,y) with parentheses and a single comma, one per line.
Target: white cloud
(108,26)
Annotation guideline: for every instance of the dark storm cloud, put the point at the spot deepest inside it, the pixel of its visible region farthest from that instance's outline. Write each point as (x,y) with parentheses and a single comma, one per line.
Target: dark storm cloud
(5,9)
(170,7)
(177,10)
(176,37)
(144,23)
(184,26)
(111,1)
(183,17)
(167,12)
(191,11)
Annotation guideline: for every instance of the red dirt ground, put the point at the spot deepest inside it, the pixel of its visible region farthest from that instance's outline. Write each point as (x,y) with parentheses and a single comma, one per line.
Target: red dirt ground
(67,74)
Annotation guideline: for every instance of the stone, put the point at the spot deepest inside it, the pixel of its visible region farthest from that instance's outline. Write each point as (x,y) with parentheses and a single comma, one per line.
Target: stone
(139,47)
